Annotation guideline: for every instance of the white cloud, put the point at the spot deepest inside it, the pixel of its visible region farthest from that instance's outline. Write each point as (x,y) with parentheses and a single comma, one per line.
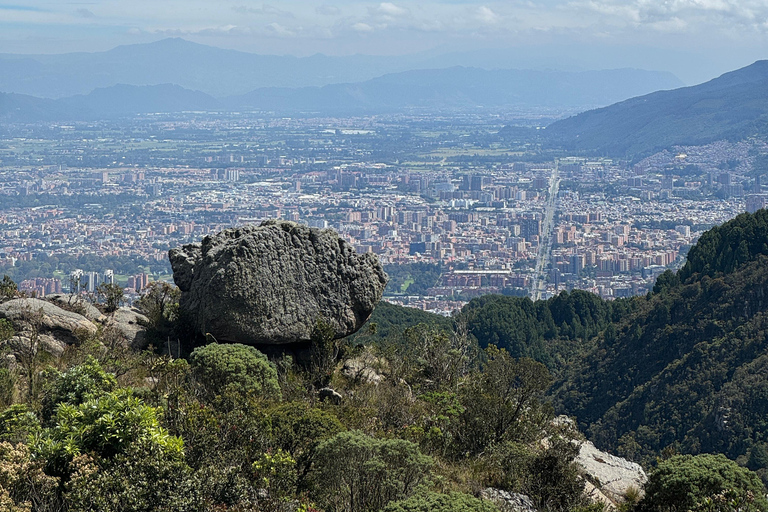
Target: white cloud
(362,27)
(390,9)
(486,15)
(327,10)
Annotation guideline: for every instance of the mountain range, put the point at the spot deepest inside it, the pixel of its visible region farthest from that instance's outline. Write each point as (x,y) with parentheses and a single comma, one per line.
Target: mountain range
(733,106)
(451,88)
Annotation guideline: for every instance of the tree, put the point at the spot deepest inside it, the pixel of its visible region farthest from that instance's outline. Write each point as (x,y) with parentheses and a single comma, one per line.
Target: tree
(78,384)
(8,289)
(234,368)
(503,402)
(683,482)
(111,294)
(358,473)
(159,303)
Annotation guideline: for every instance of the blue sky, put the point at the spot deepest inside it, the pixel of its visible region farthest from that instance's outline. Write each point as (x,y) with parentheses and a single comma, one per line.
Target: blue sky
(698,38)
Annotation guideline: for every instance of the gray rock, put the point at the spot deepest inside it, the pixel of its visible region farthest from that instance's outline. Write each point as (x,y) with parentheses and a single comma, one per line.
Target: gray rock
(270,284)
(129,324)
(508,501)
(331,395)
(77,305)
(363,368)
(614,475)
(49,319)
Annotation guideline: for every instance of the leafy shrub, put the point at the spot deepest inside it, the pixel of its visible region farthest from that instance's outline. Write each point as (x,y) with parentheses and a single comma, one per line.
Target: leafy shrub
(683,481)
(359,473)
(78,384)
(105,427)
(17,422)
(141,479)
(437,502)
(234,367)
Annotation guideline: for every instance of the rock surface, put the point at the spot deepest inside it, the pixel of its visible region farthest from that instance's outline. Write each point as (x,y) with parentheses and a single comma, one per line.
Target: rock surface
(508,501)
(77,305)
(613,474)
(330,395)
(129,324)
(56,327)
(270,284)
(23,313)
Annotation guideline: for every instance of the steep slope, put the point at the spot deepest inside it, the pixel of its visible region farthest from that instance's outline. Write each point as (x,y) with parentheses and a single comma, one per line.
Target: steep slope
(686,368)
(732,106)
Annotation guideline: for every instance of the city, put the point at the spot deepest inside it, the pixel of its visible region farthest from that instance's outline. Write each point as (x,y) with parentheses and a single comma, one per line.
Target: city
(483,212)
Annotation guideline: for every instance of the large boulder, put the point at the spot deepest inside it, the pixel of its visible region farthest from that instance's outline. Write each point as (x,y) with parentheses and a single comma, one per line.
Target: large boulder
(613,475)
(54,325)
(271,284)
(129,325)
(76,304)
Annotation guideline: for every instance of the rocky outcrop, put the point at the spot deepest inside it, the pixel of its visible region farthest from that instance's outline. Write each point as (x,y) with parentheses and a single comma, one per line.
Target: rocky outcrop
(330,395)
(508,501)
(271,284)
(76,304)
(129,325)
(52,326)
(611,475)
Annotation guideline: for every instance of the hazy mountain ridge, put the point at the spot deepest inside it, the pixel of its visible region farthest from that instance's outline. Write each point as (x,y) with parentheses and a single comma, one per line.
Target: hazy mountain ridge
(732,106)
(451,88)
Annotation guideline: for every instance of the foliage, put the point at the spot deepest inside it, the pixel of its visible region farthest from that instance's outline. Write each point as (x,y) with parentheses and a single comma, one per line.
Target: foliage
(78,384)
(356,472)
(438,502)
(684,481)
(8,289)
(17,423)
(234,368)
(503,401)
(143,478)
(112,296)
(105,426)
(723,249)
(23,485)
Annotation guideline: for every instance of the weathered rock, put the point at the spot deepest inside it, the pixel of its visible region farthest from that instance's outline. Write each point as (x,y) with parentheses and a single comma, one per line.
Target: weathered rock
(363,368)
(331,395)
(28,315)
(271,284)
(614,475)
(129,324)
(76,305)
(508,501)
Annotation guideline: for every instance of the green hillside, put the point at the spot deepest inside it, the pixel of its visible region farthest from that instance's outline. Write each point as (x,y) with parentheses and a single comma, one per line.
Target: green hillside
(733,106)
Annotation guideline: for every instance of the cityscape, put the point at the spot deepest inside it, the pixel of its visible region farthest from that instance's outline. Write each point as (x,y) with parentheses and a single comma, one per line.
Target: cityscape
(453,206)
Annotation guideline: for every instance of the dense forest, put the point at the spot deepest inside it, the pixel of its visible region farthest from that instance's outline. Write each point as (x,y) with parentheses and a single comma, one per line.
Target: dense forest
(416,412)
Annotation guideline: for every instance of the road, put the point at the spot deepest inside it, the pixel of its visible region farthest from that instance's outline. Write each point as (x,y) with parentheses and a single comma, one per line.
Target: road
(539,284)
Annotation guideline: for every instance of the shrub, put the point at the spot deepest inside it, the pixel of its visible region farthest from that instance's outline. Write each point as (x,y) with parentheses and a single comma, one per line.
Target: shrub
(105,427)
(682,482)
(358,473)
(437,502)
(78,384)
(236,368)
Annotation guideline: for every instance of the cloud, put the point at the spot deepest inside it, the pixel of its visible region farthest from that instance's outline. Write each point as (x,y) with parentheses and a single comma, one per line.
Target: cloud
(264,10)
(362,27)
(390,9)
(486,15)
(327,10)
(85,13)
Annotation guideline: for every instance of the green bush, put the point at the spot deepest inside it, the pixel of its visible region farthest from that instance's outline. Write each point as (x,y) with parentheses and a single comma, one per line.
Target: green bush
(235,368)
(141,479)
(683,482)
(78,384)
(17,422)
(359,473)
(104,427)
(438,502)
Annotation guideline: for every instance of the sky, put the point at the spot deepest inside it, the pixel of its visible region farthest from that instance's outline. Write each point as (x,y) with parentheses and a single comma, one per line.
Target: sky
(695,39)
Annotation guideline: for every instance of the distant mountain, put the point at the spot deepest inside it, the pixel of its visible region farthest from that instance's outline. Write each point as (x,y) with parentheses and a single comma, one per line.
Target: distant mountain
(105,103)
(215,71)
(453,88)
(732,106)
(462,87)
(221,73)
